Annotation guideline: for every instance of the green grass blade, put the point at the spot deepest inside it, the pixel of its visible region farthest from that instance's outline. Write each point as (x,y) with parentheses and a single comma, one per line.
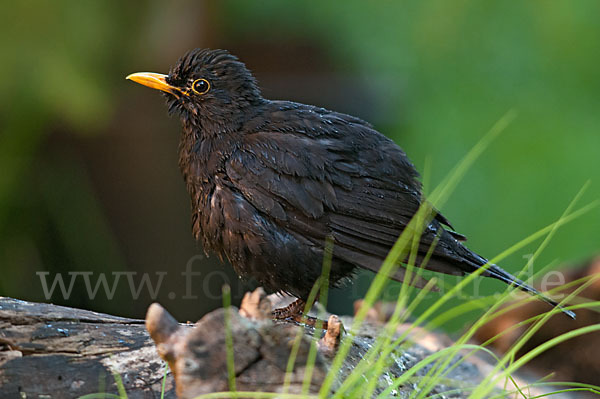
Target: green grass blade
(312,296)
(120,386)
(484,388)
(552,231)
(323,292)
(164,381)
(254,395)
(540,233)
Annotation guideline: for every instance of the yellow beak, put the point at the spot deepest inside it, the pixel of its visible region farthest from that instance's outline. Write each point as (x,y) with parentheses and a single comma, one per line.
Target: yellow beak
(154,81)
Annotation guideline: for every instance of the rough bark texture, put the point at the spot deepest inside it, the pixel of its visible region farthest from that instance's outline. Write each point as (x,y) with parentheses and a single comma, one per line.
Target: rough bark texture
(65,353)
(49,351)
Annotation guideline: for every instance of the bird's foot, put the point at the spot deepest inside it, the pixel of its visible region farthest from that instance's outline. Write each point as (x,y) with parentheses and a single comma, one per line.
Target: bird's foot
(294,311)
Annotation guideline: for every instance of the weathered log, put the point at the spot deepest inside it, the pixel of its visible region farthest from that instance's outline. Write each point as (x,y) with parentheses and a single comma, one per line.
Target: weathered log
(49,351)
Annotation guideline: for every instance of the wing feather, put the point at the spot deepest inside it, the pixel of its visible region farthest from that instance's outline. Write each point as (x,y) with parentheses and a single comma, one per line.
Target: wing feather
(322,185)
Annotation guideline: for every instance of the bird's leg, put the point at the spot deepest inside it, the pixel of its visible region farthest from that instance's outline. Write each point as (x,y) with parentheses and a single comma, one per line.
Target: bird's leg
(294,311)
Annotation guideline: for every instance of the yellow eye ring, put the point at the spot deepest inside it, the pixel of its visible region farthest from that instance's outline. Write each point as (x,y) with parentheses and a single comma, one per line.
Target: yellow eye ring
(200,86)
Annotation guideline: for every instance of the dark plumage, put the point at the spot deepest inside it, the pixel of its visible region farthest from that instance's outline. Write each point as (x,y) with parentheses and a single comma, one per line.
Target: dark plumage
(269,181)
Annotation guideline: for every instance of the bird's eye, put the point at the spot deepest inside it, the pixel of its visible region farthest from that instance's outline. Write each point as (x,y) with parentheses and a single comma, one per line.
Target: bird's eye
(200,86)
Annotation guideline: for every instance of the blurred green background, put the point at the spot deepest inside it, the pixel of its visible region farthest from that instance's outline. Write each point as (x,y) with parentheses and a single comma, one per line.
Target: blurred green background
(88,161)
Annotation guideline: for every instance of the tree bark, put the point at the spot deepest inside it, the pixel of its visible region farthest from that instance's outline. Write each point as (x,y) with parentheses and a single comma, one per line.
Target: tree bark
(49,351)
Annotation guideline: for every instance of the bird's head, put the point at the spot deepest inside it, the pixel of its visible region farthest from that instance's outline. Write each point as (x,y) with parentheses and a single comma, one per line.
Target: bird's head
(207,88)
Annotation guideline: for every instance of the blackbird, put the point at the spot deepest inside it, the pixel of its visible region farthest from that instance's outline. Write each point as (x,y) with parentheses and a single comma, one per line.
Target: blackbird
(270,181)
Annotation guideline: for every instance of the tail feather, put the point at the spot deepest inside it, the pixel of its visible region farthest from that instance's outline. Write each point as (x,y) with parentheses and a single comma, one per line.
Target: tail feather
(452,257)
(500,274)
